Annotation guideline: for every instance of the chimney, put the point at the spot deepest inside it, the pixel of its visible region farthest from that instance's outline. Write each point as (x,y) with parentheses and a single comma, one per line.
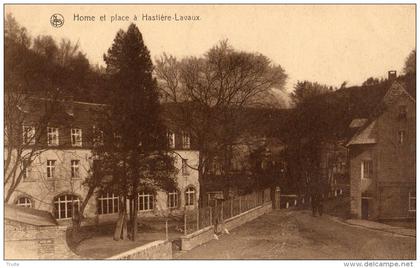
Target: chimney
(392,75)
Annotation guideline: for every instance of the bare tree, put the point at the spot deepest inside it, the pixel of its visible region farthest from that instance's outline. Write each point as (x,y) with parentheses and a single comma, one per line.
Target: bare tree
(25,133)
(211,93)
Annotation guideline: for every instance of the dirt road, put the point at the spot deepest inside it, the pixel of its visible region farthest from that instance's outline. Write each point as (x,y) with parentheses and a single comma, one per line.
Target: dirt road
(298,235)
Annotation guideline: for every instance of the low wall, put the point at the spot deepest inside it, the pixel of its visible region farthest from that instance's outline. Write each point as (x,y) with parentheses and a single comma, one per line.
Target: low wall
(247,216)
(204,235)
(197,238)
(23,241)
(160,250)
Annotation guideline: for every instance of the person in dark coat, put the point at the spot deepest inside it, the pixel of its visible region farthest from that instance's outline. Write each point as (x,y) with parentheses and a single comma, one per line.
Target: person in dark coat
(314,203)
(317,204)
(320,205)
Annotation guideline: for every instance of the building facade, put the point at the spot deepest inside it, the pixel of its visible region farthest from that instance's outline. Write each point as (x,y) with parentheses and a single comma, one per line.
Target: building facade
(54,180)
(382,156)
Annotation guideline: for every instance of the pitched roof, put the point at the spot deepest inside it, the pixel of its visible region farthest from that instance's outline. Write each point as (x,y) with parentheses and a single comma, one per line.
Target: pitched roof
(28,215)
(367,133)
(366,136)
(358,122)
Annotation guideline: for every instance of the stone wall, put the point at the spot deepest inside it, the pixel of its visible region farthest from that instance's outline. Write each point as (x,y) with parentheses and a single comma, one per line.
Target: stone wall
(157,250)
(42,191)
(396,161)
(197,238)
(36,242)
(394,164)
(357,184)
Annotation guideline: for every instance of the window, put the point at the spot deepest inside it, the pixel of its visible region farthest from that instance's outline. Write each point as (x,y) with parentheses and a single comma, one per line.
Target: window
(52,136)
(173,199)
(50,168)
(28,137)
(108,204)
(75,168)
(76,137)
(25,166)
(216,167)
(401,136)
(117,139)
(185,140)
(65,205)
(190,196)
(402,111)
(184,168)
(367,169)
(146,201)
(411,201)
(171,139)
(24,202)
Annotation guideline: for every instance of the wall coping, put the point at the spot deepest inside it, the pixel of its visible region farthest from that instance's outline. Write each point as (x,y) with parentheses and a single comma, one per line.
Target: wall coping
(34,227)
(242,214)
(203,230)
(137,249)
(198,232)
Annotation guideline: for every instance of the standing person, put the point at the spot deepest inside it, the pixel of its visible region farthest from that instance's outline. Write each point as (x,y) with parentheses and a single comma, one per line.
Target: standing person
(314,203)
(320,204)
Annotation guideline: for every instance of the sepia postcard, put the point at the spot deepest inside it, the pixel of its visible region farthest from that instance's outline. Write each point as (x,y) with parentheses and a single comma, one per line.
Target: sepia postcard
(210,132)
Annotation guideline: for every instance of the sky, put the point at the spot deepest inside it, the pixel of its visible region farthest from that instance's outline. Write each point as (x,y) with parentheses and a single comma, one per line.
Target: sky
(328,44)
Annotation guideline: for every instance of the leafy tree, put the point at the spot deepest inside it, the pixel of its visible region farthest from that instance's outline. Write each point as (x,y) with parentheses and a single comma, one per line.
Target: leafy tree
(15,33)
(313,122)
(211,93)
(306,90)
(22,66)
(134,151)
(372,81)
(410,63)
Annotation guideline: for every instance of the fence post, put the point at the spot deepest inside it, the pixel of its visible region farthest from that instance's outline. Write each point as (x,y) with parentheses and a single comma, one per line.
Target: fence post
(277,198)
(240,205)
(210,217)
(198,219)
(222,223)
(166,229)
(231,207)
(185,222)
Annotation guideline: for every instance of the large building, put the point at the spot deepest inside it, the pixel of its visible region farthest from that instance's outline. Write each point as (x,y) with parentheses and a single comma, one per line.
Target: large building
(63,160)
(382,156)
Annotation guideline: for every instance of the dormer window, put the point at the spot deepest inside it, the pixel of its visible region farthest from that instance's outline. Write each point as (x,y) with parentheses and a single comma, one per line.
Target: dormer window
(52,136)
(186,142)
(171,139)
(28,137)
(76,137)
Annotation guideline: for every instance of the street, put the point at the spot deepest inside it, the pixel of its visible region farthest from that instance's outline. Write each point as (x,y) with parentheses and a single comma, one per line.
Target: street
(297,235)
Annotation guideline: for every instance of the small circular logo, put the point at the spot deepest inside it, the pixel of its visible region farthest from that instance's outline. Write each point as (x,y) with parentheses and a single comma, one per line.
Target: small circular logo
(57,20)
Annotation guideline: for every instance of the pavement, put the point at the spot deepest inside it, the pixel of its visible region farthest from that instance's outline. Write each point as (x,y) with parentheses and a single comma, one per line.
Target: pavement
(382,227)
(296,234)
(104,246)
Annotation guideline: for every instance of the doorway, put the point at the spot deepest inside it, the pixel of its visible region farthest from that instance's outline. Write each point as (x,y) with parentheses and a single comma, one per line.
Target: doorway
(365,208)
